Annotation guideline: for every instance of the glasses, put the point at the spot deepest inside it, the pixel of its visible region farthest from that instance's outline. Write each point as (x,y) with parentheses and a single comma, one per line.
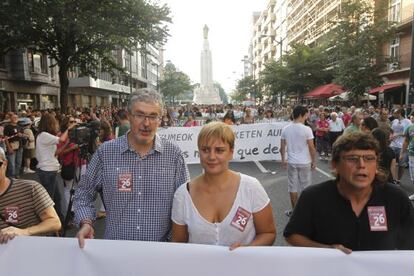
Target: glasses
(354,159)
(72,121)
(142,117)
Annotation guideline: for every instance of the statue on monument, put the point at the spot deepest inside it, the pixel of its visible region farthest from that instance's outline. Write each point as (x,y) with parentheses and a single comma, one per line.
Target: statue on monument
(205,30)
(206,93)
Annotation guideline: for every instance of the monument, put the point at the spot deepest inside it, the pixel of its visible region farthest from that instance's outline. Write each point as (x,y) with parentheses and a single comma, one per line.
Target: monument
(206,93)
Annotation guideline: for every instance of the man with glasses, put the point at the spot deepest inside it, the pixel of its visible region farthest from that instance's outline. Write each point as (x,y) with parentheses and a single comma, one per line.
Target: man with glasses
(136,174)
(26,208)
(356,211)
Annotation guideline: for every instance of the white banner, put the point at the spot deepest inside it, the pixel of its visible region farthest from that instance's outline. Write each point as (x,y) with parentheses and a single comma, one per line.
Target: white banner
(254,142)
(39,256)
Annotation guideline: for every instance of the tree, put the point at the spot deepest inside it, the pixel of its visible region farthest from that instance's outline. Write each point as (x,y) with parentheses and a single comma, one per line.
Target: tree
(174,82)
(222,93)
(301,69)
(355,43)
(246,86)
(83,33)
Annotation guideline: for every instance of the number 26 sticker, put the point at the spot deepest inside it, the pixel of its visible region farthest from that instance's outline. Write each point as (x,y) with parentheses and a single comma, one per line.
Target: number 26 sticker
(240,219)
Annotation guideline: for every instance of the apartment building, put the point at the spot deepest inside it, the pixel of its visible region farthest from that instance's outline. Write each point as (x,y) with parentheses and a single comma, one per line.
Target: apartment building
(397,55)
(26,80)
(263,46)
(141,70)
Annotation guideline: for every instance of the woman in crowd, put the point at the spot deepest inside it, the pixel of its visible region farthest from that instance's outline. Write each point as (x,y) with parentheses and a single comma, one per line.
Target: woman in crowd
(166,120)
(368,124)
(248,117)
(322,136)
(190,121)
(221,206)
(387,161)
(48,164)
(105,133)
(69,159)
(29,145)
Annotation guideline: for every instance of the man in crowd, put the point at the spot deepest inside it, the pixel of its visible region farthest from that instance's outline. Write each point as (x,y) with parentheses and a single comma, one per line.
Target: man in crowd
(137,175)
(355,123)
(356,211)
(123,126)
(408,144)
(26,208)
(398,126)
(298,140)
(14,134)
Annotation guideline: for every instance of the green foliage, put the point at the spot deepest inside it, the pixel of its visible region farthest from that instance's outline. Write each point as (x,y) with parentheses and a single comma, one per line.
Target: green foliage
(355,43)
(83,33)
(222,93)
(301,69)
(245,87)
(174,82)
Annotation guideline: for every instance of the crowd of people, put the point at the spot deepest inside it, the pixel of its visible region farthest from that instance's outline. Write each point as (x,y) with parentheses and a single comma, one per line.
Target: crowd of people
(148,195)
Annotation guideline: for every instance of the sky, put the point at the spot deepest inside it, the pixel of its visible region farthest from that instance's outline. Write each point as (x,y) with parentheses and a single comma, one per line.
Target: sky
(230,28)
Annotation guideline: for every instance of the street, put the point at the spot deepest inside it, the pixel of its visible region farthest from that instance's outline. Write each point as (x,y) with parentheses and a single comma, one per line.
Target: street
(274,182)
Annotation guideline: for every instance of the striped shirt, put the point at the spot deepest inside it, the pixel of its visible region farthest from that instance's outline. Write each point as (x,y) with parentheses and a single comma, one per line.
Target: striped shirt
(22,203)
(140,210)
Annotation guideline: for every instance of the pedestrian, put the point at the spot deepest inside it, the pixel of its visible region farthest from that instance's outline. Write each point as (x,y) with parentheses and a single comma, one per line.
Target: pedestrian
(46,154)
(297,142)
(398,127)
(136,174)
(13,134)
(26,209)
(221,206)
(358,210)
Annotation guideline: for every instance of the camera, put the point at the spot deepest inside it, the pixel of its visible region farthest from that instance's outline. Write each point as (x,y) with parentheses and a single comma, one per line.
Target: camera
(84,135)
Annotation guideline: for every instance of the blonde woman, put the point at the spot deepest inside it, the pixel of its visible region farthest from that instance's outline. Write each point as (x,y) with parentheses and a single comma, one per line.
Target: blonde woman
(221,206)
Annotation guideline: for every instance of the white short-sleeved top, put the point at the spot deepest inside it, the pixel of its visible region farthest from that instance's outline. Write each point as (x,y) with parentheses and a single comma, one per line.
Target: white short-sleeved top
(237,226)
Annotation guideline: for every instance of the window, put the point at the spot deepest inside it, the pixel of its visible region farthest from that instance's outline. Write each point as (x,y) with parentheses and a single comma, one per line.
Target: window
(37,62)
(395,8)
(394,53)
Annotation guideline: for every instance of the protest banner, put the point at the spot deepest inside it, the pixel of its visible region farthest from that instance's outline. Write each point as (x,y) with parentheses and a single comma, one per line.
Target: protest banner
(39,256)
(254,142)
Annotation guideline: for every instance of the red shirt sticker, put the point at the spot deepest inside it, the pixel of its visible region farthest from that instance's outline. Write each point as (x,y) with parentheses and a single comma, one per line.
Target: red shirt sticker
(11,215)
(377,218)
(125,182)
(240,219)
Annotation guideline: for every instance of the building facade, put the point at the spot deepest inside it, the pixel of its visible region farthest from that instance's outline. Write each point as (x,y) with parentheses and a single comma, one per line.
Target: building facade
(28,79)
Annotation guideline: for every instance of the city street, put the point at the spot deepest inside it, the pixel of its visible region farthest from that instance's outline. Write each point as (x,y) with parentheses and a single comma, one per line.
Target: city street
(273,178)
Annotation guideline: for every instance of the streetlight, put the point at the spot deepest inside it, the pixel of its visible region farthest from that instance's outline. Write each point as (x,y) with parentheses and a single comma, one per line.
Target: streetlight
(278,42)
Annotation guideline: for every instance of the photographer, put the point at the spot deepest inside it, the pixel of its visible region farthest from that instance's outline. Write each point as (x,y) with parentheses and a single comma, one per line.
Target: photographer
(48,164)
(68,154)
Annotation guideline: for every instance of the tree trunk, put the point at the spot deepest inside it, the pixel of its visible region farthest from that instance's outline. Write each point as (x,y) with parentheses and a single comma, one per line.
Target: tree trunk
(64,85)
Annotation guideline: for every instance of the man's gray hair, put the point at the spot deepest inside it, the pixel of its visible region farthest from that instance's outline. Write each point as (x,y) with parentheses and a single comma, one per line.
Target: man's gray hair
(2,154)
(146,95)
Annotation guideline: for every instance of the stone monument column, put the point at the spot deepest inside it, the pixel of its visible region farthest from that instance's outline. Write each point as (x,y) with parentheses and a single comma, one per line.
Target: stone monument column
(206,93)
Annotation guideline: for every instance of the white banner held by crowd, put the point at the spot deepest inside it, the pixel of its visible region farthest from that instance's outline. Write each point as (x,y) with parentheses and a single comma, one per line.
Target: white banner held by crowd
(254,142)
(39,256)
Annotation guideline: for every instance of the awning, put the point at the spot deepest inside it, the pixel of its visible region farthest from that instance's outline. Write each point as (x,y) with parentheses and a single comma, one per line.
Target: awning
(345,97)
(325,91)
(385,87)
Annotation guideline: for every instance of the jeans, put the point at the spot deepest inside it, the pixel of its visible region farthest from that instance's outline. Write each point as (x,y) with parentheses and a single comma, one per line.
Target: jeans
(48,181)
(14,163)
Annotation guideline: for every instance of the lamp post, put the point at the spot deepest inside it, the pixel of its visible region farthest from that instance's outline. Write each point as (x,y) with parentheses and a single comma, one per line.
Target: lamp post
(158,74)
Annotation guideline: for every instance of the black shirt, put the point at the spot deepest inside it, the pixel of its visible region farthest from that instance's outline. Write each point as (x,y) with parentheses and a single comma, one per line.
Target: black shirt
(11,130)
(324,216)
(386,158)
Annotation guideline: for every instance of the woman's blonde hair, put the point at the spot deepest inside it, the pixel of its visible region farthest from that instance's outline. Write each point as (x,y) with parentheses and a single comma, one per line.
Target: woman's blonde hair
(216,130)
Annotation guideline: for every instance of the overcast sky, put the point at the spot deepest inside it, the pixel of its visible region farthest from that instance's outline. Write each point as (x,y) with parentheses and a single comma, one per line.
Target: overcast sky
(230,24)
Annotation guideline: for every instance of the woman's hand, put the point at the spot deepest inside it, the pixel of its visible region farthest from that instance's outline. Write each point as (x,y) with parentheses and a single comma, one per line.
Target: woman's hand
(236,245)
